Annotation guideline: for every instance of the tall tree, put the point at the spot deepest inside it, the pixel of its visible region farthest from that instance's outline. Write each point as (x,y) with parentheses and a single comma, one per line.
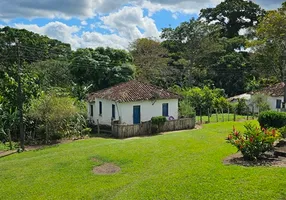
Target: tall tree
(194,46)
(231,72)
(270,43)
(151,60)
(233,15)
(88,66)
(17,49)
(52,73)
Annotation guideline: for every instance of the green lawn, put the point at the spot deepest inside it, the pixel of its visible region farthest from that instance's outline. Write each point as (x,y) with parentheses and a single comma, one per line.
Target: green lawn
(181,165)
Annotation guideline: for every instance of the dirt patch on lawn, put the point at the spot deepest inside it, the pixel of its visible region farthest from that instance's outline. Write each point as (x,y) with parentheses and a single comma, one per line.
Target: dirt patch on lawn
(267,160)
(106,168)
(96,160)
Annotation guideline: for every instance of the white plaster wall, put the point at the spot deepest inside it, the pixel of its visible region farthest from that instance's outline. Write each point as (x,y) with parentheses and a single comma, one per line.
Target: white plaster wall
(89,111)
(106,116)
(272,102)
(148,109)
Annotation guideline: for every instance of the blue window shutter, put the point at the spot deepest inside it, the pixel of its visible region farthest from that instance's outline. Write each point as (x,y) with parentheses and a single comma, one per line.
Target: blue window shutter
(278,103)
(100,108)
(91,110)
(113,111)
(136,114)
(165,109)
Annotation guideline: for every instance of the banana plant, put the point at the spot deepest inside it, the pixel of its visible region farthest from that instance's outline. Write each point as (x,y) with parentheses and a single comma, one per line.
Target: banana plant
(7,122)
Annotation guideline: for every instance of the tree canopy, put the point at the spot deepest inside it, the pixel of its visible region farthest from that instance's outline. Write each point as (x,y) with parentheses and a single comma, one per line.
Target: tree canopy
(233,15)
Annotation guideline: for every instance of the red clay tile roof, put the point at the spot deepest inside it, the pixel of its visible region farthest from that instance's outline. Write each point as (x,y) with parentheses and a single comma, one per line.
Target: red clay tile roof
(276,90)
(132,91)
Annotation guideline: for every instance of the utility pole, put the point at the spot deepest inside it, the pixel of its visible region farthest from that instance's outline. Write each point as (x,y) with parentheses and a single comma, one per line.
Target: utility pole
(284,81)
(20,98)
(284,73)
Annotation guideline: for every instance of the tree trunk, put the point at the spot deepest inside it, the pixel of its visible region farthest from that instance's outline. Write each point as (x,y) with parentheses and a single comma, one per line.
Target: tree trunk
(10,139)
(201,117)
(47,133)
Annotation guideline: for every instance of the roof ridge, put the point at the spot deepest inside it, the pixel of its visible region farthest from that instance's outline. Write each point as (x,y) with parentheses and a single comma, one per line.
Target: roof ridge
(133,90)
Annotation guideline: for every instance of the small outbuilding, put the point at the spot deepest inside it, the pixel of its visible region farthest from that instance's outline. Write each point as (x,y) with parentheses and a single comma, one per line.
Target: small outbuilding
(130,103)
(274,94)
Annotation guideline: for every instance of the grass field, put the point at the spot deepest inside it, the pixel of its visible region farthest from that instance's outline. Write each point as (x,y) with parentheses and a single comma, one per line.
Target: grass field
(181,165)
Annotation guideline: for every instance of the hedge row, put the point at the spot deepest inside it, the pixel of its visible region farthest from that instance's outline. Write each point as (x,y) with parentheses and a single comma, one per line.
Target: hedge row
(272,119)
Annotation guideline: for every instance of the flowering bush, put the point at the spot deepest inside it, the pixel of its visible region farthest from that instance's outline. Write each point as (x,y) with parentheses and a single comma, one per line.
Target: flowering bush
(254,141)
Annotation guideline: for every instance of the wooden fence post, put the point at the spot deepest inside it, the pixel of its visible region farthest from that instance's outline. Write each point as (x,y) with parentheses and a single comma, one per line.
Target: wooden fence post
(10,139)
(201,117)
(252,111)
(228,114)
(234,115)
(209,120)
(222,115)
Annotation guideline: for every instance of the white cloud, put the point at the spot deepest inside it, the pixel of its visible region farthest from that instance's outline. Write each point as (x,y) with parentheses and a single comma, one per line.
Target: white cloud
(124,23)
(56,30)
(175,16)
(124,26)
(95,39)
(130,23)
(84,23)
(46,8)
(183,6)
(68,34)
(89,8)
(92,26)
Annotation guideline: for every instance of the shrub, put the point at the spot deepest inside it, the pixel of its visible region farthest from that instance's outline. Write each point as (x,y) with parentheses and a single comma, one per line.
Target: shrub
(221,103)
(158,120)
(254,141)
(260,101)
(272,119)
(185,109)
(283,131)
(86,131)
(56,117)
(241,107)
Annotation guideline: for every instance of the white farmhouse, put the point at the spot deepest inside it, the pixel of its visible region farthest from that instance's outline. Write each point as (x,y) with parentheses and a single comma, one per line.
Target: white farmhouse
(273,94)
(131,102)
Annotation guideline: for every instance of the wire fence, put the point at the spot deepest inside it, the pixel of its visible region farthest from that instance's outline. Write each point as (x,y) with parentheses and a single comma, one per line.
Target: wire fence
(223,117)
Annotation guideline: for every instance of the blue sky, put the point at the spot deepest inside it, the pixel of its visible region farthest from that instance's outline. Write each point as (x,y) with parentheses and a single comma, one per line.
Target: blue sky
(92,23)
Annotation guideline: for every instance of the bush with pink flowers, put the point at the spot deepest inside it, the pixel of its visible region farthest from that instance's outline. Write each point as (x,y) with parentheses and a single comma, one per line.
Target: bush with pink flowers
(253,142)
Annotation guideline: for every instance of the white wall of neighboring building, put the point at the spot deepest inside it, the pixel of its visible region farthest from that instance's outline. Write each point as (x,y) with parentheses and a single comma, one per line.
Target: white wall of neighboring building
(124,111)
(272,102)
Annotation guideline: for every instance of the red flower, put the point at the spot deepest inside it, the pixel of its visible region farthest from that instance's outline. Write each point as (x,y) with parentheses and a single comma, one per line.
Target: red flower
(251,139)
(273,132)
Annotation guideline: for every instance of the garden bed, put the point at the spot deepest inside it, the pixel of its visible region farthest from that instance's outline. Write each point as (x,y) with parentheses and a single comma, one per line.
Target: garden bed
(267,160)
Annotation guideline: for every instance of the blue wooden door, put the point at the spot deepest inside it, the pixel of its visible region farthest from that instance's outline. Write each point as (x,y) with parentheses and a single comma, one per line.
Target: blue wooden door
(136,115)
